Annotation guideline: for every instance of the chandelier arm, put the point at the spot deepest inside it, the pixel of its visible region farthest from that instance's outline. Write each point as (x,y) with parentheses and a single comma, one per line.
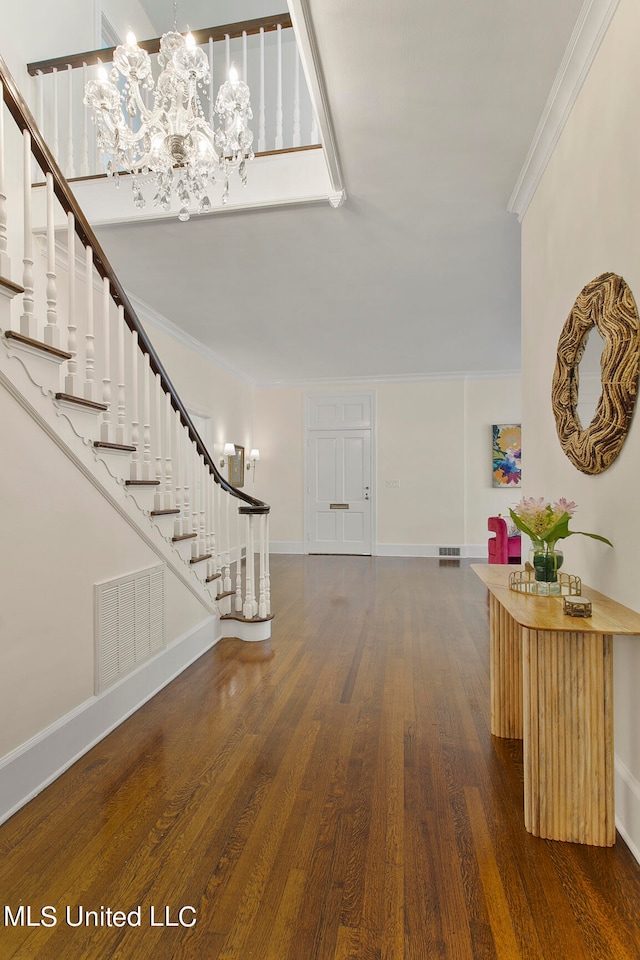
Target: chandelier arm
(143,110)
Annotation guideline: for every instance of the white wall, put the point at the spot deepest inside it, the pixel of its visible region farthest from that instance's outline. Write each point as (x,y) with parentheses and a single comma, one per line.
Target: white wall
(41,30)
(59,538)
(582,222)
(487,402)
(432,436)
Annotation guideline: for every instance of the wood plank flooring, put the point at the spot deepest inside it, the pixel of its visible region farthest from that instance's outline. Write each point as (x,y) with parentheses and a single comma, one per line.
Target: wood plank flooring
(333,794)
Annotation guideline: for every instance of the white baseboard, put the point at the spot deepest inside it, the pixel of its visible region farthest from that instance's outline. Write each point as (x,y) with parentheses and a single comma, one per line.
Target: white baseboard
(627,790)
(476,551)
(28,769)
(468,551)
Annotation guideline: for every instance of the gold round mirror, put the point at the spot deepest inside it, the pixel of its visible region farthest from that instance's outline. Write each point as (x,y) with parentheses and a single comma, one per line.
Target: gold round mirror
(605,305)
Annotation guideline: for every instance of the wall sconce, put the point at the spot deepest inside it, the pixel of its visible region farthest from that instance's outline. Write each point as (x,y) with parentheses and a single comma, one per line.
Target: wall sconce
(229,451)
(254,456)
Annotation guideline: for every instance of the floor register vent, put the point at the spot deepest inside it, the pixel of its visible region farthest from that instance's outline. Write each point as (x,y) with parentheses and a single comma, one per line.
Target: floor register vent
(130,623)
(448,551)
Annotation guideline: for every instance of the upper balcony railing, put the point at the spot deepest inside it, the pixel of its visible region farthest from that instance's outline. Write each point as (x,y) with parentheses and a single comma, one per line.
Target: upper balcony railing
(264,52)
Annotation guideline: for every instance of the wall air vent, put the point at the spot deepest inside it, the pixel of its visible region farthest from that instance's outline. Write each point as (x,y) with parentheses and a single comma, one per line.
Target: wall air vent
(129,623)
(448,551)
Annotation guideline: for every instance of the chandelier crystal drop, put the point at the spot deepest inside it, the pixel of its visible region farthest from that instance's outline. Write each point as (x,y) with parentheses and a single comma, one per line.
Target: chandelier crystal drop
(171,141)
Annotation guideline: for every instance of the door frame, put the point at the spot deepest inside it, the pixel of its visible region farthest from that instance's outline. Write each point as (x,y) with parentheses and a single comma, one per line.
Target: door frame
(343,395)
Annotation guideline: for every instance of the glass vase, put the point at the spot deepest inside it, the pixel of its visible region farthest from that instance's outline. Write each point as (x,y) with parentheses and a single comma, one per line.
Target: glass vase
(546,562)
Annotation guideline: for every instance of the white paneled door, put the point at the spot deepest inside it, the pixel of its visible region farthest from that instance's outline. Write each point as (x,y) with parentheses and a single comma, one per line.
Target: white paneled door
(339,491)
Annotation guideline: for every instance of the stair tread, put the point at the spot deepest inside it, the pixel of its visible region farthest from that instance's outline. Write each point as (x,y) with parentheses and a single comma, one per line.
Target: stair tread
(105,445)
(184,536)
(205,556)
(243,619)
(81,402)
(164,513)
(227,593)
(215,576)
(38,345)
(10,285)
(142,483)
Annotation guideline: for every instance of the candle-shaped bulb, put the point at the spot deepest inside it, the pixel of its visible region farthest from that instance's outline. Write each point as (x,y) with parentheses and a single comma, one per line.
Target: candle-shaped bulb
(233,74)
(131,39)
(190,42)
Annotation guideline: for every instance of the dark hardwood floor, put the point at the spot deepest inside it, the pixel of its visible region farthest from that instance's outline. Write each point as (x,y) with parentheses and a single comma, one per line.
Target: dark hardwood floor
(334,793)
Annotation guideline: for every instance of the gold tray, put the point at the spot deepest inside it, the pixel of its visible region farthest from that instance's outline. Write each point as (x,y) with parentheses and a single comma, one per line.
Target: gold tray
(524,581)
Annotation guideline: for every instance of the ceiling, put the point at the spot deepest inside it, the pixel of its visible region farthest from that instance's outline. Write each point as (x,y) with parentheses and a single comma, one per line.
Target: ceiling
(434,106)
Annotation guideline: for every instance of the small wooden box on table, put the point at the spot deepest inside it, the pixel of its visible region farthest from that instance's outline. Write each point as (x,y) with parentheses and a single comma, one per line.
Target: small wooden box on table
(552,687)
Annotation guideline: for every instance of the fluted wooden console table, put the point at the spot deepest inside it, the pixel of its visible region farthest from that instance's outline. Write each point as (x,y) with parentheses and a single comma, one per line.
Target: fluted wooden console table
(552,687)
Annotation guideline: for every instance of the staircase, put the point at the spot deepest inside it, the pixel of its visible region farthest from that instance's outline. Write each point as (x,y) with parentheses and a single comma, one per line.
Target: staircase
(87,373)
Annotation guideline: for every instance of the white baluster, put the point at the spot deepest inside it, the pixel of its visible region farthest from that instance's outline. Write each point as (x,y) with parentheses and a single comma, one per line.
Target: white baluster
(211,92)
(90,348)
(267,576)
(70,171)
(227,553)
(262,601)
(5,262)
(51,332)
(27,320)
(105,429)
(262,137)
(216,492)
(186,446)
(71,379)
(179,466)
(315,135)
(201,521)
(227,48)
(40,93)
(238,562)
(147,472)
(98,167)
(136,462)
(244,56)
(121,428)
(212,564)
(56,137)
(168,472)
(158,438)
(203,505)
(249,600)
(213,527)
(84,164)
(279,143)
(296,101)
(195,500)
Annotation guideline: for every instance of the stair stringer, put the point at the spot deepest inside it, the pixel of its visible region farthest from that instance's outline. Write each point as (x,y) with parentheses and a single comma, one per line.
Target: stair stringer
(17,376)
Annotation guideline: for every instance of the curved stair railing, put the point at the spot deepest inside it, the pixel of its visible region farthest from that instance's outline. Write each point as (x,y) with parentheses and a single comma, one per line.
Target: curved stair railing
(137,413)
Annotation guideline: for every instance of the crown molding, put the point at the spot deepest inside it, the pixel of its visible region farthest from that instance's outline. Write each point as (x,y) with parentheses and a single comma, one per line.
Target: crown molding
(588,33)
(457,375)
(148,314)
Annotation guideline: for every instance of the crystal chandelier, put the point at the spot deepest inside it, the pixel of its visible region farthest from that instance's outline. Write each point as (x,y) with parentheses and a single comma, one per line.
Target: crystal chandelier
(171,141)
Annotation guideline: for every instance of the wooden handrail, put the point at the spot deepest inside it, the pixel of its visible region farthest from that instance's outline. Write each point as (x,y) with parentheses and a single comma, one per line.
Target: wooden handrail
(232,30)
(19,110)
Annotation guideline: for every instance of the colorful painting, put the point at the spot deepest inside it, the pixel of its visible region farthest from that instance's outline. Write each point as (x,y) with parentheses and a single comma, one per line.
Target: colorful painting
(507,442)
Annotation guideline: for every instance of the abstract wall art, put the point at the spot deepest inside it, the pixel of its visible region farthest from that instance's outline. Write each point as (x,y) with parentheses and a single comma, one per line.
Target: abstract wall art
(507,466)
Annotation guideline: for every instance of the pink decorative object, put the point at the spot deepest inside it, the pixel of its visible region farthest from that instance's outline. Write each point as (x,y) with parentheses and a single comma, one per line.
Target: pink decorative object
(502,548)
